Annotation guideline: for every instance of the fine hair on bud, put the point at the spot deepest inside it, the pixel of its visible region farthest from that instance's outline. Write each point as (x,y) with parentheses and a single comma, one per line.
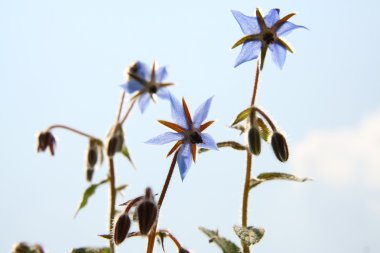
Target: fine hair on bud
(115,140)
(254,140)
(280,146)
(146,212)
(121,228)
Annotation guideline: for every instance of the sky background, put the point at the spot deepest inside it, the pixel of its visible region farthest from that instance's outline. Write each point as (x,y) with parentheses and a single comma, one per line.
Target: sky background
(63,62)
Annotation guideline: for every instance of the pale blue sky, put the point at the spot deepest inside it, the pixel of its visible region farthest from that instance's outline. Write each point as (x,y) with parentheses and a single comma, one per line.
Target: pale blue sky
(62,62)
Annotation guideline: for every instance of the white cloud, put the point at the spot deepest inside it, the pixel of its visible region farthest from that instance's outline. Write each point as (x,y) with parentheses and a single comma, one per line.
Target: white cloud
(342,157)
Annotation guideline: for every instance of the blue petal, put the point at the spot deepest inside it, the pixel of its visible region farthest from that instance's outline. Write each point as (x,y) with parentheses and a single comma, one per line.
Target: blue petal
(132,86)
(272,17)
(248,25)
(249,51)
(161,74)
(201,113)
(178,113)
(287,27)
(208,142)
(278,54)
(163,93)
(165,138)
(144,101)
(184,160)
(142,70)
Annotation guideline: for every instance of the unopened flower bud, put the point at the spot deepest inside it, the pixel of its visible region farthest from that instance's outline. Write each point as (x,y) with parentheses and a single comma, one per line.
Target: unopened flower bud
(121,228)
(280,147)
(45,140)
(254,140)
(146,212)
(21,247)
(91,159)
(115,140)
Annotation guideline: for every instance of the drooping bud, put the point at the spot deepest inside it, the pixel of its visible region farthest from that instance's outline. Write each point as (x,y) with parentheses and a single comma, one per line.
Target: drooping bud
(115,140)
(254,140)
(280,147)
(146,212)
(91,158)
(46,140)
(121,228)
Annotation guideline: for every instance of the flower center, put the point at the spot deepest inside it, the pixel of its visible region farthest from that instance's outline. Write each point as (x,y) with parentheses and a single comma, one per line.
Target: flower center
(268,37)
(153,89)
(195,138)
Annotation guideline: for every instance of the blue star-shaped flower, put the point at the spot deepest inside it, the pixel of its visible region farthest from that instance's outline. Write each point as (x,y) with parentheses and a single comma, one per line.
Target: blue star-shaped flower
(146,84)
(263,33)
(189,133)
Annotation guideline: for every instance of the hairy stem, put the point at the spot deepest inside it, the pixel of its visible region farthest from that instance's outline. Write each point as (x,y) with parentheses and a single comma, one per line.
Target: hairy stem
(131,104)
(152,233)
(112,200)
(120,107)
(72,130)
(244,216)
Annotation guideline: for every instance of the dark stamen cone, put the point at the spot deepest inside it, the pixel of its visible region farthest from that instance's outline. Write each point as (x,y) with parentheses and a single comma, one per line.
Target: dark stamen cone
(280,147)
(121,228)
(254,140)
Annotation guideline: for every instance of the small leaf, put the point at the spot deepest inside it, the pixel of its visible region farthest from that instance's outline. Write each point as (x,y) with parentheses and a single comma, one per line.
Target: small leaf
(231,144)
(125,152)
(249,235)
(91,250)
(88,193)
(241,128)
(226,245)
(161,238)
(275,176)
(242,116)
(121,188)
(106,236)
(265,131)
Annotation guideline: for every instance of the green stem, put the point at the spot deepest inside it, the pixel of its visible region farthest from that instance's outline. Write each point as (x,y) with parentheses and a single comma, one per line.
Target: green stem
(244,217)
(112,200)
(152,234)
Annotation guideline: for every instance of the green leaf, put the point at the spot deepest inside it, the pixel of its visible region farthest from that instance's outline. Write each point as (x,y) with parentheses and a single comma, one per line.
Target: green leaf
(226,245)
(106,236)
(231,144)
(125,152)
(242,116)
(274,176)
(249,235)
(91,250)
(265,131)
(241,128)
(88,193)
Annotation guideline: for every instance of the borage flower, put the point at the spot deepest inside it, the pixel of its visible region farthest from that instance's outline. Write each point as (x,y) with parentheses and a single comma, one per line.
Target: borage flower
(189,133)
(146,84)
(263,33)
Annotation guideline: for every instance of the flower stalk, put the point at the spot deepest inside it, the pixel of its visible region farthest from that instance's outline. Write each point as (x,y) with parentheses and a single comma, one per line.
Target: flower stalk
(244,217)
(152,234)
